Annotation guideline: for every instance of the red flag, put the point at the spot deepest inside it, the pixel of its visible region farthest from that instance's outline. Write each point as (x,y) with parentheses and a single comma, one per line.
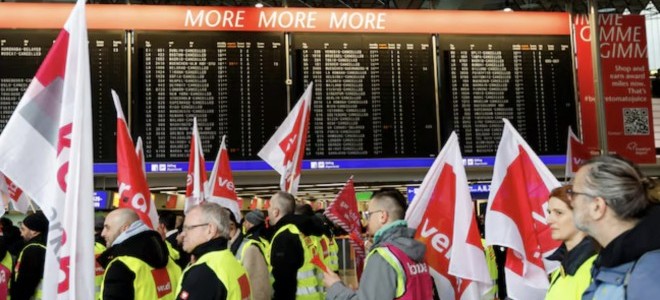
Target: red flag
(576,154)
(196,179)
(18,200)
(343,212)
(139,151)
(285,149)
(516,215)
(133,189)
(221,184)
(443,214)
(46,149)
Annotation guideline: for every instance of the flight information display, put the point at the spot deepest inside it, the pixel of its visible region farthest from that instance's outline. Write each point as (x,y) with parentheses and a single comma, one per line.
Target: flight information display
(374,94)
(528,80)
(233,82)
(21,54)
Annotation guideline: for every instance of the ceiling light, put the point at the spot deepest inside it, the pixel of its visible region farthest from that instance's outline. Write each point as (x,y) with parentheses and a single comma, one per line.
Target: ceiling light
(259,5)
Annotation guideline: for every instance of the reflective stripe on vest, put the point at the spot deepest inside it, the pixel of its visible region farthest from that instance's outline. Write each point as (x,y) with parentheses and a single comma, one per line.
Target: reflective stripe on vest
(333,260)
(5,275)
(308,284)
(150,283)
(98,270)
(228,270)
(413,278)
(38,292)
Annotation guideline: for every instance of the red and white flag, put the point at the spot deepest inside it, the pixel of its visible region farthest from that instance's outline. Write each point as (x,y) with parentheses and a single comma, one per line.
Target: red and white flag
(139,151)
(15,197)
(516,215)
(196,178)
(343,212)
(443,214)
(576,154)
(285,150)
(133,189)
(221,188)
(46,149)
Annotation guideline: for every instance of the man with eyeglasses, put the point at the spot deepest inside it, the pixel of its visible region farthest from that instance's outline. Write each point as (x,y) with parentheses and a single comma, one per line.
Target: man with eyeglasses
(395,267)
(137,263)
(214,272)
(612,202)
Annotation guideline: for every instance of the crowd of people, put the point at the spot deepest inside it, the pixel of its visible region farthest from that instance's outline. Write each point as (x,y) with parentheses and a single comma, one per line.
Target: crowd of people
(607,220)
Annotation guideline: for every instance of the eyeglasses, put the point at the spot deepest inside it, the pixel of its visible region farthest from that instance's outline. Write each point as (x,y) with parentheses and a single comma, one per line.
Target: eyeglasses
(367,214)
(187,228)
(571,194)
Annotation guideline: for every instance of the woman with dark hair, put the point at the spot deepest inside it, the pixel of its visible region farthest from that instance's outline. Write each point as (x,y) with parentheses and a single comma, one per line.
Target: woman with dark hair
(576,254)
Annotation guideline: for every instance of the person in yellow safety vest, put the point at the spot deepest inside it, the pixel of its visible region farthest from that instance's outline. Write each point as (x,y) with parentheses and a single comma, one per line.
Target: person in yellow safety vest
(99,248)
(214,272)
(137,263)
(576,254)
(395,266)
(29,269)
(167,229)
(492,270)
(291,252)
(251,254)
(6,268)
(329,246)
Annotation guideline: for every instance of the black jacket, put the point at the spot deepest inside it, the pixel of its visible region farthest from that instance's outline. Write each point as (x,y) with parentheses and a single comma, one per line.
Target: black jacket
(147,246)
(287,255)
(632,244)
(31,269)
(200,282)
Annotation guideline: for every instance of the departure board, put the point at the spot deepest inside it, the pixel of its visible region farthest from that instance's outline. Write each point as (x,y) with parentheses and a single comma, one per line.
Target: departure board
(233,82)
(21,54)
(374,94)
(528,80)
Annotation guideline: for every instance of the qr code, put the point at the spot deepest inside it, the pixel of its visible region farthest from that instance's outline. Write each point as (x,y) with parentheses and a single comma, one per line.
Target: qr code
(635,121)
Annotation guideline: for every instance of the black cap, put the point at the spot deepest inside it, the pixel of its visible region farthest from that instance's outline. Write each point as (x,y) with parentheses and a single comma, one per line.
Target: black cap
(36,222)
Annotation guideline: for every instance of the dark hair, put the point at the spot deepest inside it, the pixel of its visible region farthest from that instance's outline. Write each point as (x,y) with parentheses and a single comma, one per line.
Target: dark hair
(168,219)
(394,202)
(304,210)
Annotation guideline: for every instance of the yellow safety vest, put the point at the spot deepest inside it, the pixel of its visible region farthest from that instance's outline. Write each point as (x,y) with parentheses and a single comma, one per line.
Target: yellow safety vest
(333,260)
(38,292)
(307,282)
(491,262)
(5,278)
(261,243)
(173,253)
(98,270)
(150,283)
(228,270)
(567,287)
(391,259)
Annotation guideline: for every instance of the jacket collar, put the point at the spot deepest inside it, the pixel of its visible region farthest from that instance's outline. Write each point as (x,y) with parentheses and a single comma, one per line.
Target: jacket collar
(572,260)
(216,244)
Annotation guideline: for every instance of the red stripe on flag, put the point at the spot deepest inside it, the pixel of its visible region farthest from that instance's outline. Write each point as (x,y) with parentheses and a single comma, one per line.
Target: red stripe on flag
(54,64)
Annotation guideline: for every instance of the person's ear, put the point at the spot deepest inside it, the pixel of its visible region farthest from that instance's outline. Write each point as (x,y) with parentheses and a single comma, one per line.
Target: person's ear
(598,208)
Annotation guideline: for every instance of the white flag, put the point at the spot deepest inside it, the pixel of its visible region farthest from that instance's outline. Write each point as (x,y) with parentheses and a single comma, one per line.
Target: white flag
(516,216)
(196,179)
(443,210)
(46,149)
(285,150)
(221,188)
